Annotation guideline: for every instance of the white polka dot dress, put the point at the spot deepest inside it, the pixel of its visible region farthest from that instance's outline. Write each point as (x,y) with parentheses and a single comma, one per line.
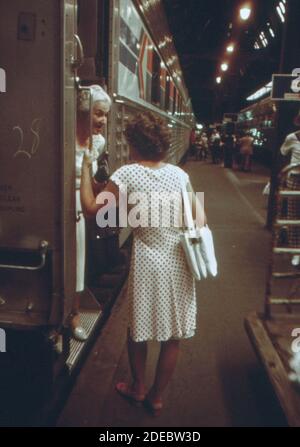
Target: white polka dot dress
(161,289)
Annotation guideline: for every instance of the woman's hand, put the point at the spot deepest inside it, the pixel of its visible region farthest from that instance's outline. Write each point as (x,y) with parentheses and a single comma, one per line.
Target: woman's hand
(87,158)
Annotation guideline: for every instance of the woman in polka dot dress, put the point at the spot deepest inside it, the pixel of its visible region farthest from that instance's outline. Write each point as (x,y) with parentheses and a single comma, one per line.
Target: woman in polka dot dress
(161,290)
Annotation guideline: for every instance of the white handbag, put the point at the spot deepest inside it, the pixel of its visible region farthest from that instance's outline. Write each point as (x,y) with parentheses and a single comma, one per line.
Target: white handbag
(197,243)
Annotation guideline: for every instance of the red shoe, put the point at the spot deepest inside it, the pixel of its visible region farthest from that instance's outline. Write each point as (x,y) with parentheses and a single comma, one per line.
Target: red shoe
(124,390)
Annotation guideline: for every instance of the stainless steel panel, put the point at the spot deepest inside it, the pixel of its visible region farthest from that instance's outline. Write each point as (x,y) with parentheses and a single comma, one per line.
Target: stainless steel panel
(69,54)
(30,123)
(37,169)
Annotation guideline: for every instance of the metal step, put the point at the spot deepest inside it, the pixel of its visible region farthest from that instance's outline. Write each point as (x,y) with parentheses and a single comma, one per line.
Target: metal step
(88,322)
(286,301)
(283,223)
(284,250)
(288,193)
(286,275)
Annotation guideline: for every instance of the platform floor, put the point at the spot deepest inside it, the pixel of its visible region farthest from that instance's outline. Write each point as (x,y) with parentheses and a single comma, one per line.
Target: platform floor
(218,381)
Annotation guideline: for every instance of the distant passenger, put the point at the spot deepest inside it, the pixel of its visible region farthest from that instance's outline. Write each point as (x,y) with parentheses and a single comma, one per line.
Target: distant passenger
(229,143)
(246,151)
(215,146)
(203,146)
(193,148)
(161,290)
(291,146)
(101,103)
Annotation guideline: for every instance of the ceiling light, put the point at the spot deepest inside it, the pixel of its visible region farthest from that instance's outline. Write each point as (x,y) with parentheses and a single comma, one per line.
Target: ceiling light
(280,14)
(282,7)
(224,66)
(230,48)
(272,32)
(261,92)
(245,12)
(219,80)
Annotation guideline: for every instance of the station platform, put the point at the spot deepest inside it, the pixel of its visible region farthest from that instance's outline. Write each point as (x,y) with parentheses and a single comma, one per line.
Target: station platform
(218,381)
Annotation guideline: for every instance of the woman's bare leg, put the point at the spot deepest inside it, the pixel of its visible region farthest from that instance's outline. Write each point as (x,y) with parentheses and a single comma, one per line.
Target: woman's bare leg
(164,370)
(137,353)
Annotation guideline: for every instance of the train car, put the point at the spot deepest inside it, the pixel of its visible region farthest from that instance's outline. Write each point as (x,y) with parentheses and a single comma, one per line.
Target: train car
(48,51)
(259,119)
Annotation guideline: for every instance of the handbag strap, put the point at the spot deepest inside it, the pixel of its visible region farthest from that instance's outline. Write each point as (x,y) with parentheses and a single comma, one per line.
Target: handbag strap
(187,204)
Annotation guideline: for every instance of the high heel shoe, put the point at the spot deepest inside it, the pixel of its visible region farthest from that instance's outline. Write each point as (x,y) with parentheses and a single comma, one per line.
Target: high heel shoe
(154,408)
(79,333)
(133,397)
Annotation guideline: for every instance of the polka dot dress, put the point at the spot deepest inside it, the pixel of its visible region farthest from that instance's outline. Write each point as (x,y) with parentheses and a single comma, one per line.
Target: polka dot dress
(161,289)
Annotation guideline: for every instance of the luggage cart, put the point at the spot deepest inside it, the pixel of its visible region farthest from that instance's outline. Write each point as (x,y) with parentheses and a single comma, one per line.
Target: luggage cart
(273,332)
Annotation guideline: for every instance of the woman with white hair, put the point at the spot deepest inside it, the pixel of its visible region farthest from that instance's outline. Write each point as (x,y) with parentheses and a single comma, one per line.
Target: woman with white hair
(291,147)
(101,104)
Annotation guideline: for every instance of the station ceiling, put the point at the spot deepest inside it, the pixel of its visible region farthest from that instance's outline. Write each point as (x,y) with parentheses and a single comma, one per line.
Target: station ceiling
(202,29)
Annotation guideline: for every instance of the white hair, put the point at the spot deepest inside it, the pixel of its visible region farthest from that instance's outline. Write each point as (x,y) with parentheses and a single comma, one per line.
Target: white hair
(98,95)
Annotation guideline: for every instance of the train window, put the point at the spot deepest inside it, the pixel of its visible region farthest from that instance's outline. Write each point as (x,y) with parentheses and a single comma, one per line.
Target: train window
(93,19)
(180,106)
(167,93)
(175,101)
(103,39)
(155,87)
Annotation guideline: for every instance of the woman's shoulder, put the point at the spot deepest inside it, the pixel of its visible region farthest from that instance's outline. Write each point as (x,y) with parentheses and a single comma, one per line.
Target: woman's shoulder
(126,168)
(123,173)
(179,172)
(178,169)
(292,137)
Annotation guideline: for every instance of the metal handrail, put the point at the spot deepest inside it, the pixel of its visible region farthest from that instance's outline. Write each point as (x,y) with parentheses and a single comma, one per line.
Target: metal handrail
(281,193)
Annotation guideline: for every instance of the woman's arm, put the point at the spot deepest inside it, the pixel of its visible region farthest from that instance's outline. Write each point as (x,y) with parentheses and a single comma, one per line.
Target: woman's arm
(87,196)
(288,144)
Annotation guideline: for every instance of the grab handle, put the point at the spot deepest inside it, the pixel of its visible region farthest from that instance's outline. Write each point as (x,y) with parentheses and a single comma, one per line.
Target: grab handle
(76,63)
(43,251)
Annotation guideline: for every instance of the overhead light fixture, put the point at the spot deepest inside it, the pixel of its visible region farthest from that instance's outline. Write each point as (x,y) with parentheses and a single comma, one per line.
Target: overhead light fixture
(218,80)
(272,32)
(265,90)
(263,39)
(279,12)
(230,48)
(282,7)
(245,12)
(224,66)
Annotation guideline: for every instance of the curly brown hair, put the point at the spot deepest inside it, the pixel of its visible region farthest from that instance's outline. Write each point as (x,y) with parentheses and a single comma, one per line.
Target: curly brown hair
(149,136)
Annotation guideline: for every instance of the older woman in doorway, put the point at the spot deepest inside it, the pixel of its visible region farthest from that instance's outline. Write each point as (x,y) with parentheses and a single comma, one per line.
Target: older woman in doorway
(101,104)
(291,147)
